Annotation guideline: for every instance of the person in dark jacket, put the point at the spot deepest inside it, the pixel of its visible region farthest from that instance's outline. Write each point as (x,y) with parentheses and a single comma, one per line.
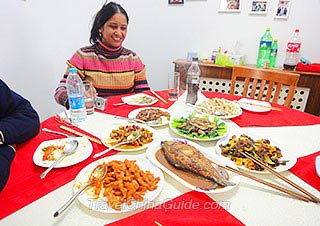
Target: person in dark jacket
(18,123)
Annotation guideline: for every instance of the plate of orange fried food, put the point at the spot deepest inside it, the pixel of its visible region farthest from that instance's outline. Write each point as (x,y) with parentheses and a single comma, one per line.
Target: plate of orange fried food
(123,132)
(129,183)
(50,150)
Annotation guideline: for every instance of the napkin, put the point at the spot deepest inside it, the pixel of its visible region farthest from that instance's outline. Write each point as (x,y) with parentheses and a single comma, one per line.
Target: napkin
(192,208)
(306,170)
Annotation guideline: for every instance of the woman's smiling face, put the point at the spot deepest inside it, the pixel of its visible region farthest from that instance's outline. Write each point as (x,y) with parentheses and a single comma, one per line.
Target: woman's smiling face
(114,31)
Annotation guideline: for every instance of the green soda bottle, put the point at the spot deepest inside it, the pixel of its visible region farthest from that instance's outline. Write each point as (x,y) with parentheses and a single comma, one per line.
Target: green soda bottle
(264,49)
(273,53)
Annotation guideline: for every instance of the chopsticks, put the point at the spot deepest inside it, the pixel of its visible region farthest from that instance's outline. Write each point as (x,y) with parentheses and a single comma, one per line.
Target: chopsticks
(311,197)
(70,130)
(274,186)
(284,190)
(71,65)
(260,105)
(158,96)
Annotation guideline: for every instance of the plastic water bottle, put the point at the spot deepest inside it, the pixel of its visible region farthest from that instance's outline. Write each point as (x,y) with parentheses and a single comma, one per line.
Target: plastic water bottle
(273,53)
(75,91)
(193,78)
(293,51)
(264,49)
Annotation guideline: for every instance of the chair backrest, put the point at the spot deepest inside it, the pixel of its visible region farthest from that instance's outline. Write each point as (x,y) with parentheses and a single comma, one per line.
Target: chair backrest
(264,79)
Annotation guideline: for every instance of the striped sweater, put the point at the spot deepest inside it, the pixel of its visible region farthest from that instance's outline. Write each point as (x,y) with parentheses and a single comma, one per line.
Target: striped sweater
(112,71)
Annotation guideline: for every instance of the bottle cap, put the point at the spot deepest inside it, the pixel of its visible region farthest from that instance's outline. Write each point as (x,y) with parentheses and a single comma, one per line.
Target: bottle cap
(275,39)
(194,58)
(268,29)
(297,30)
(72,70)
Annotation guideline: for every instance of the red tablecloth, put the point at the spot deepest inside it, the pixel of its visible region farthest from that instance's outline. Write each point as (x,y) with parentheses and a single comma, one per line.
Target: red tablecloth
(25,186)
(286,117)
(306,170)
(192,208)
(25,175)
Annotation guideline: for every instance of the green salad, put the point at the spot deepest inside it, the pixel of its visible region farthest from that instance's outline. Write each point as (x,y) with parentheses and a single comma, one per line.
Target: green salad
(200,127)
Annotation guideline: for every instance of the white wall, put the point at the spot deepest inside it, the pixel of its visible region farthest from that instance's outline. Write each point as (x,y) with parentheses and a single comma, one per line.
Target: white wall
(38,36)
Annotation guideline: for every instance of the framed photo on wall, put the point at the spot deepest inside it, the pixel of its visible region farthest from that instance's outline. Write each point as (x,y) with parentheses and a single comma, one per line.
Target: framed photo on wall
(283,9)
(230,6)
(175,1)
(258,7)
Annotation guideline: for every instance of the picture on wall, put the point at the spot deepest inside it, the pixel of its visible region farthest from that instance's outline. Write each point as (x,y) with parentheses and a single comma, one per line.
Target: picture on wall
(283,9)
(258,7)
(229,6)
(175,1)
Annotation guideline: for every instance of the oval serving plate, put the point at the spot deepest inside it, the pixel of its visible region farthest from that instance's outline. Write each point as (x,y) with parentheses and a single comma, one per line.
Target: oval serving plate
(83,151)
(222,126)
(100,205)
(215,106)
(106,137)
(285,154)
(164,120)
(210,154)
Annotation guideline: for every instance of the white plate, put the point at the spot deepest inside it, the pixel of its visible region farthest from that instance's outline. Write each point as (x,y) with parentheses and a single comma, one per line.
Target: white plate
(138,99)
(211,118)
(135,112)
(234,110)
(247,105)
(106,137)
(285,153)
(209,154)
(83,151)
(101,205)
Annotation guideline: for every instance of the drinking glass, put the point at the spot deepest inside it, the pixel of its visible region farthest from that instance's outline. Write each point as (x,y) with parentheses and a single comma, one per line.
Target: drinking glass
(88,97)
(173,86)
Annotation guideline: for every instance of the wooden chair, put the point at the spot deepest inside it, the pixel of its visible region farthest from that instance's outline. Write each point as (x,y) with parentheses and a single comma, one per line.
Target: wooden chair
(265,79)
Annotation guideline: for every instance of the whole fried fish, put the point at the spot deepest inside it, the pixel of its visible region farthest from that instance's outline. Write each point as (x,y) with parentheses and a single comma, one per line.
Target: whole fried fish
(188,158)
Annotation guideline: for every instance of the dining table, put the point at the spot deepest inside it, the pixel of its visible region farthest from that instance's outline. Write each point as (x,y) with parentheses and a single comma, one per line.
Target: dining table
(29,200)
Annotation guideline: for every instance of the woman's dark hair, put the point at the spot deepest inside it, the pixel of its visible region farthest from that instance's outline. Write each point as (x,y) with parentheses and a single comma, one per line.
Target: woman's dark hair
(104,14)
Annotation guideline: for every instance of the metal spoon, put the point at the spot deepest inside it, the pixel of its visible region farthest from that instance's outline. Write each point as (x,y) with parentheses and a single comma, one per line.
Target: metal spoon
(130,139)
(97,174)
(69,149)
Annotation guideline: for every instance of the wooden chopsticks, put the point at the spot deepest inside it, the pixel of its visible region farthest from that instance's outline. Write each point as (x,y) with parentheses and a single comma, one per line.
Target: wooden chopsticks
(284,190)
(310,196)
(72,66)
(158,96)
(260,105)
(274,186)
(70,130)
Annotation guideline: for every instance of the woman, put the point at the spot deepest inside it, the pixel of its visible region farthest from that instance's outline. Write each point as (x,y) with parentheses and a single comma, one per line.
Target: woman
(112,68)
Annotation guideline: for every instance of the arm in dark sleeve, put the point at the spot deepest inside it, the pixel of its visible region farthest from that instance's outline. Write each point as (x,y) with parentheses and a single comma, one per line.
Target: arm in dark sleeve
(6,156)
(18,120)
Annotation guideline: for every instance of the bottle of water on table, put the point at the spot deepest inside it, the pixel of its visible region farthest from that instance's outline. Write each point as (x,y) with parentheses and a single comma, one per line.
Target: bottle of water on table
(193,78)
(75,91)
